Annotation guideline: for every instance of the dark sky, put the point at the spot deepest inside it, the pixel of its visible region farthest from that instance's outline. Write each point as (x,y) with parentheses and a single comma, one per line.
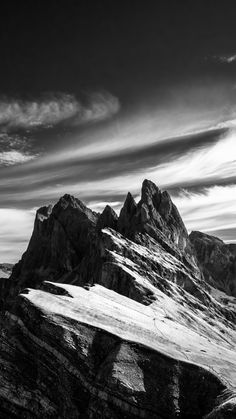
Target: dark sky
(126,47)
(95,96)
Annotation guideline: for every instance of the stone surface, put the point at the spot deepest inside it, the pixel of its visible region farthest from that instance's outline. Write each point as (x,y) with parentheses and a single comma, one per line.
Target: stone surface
(133,324)
(156,215)
(5,270)
(217,261)
(67,352)
(61,237)
(108,218)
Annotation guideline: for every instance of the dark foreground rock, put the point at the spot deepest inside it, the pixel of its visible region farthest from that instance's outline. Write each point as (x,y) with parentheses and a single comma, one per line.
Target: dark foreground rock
(67,352)
(117,317)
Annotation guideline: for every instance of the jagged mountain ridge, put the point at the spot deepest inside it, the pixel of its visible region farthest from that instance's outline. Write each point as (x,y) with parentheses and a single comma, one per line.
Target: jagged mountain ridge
(67,234)
(129,327)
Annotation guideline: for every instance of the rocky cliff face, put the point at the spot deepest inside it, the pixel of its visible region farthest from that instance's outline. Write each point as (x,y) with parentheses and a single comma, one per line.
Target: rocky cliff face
(217,261)
(156,215)
(61,238)
(68,244)
(5,272)
(69,352)
(115,317)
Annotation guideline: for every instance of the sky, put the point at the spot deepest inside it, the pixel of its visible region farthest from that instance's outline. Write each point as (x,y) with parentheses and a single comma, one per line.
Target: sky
(97,96)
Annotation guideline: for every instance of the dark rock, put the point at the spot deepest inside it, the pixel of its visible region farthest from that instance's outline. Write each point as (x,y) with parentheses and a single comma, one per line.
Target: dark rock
(217,261)
(108,218)
(59,365)
(60,239)
(127,214)
(156,215)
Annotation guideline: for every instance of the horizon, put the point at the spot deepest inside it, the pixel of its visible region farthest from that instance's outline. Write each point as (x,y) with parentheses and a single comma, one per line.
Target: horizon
(94,98)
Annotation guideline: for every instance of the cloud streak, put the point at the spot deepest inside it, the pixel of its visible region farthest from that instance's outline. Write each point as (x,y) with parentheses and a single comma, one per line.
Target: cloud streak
(16,149)
(8,158)
(226,58)
(57,175)
(52,109)
(212,212)
(31,117)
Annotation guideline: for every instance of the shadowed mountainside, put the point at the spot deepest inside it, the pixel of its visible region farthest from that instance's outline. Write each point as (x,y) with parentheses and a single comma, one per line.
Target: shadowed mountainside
(217,261)
(118,317)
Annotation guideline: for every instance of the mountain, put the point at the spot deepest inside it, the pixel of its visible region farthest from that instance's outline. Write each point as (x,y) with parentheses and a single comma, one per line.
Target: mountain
(119,317)
(217,261)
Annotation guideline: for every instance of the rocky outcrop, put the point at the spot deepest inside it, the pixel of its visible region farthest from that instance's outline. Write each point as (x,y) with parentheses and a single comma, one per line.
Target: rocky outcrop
(68,352)
(131,325)
(61,238)
(5,270)
(156,215)
(126,222)
(217,260)
(108,218)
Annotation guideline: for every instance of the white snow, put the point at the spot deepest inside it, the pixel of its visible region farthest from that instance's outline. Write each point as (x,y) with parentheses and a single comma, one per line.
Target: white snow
(166,325)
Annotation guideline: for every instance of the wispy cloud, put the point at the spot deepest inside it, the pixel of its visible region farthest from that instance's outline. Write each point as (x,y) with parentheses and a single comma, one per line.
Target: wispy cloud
(19,119)
(212,211)
(225,58)
(52,109)
(8,158)
(100,106)
(15,149)
(72,172)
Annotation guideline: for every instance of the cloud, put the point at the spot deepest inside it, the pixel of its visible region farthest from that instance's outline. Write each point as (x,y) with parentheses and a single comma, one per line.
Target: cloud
(100,106)
(225,58)
(8,158)
(15,149)
(212,212)
(15,230)
(209,165)
(18,118)
(59,174)
(53,109)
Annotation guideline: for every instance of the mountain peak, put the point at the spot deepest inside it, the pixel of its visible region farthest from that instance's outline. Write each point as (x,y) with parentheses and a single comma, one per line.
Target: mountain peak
(130,203)
(108,218)
(69,200)
(150,193)
(127,213)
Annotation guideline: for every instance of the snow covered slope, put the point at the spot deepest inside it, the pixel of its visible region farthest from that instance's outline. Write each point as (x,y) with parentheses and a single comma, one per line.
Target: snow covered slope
(120,358)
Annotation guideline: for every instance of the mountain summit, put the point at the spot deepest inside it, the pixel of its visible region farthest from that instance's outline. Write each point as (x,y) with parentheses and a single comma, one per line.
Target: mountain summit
(112,316)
